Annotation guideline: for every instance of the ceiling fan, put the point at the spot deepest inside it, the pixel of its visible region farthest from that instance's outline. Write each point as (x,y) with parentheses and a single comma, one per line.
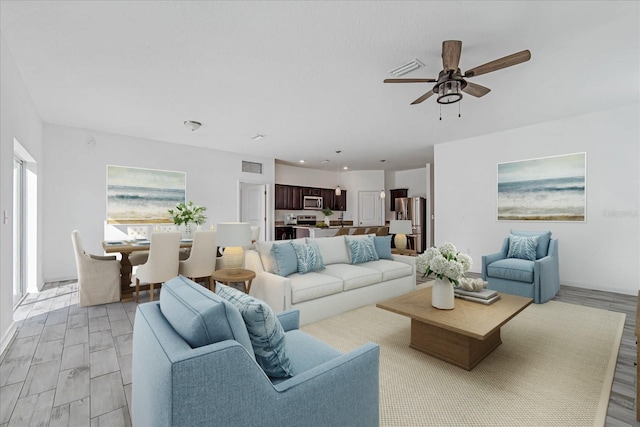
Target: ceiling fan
(451,80)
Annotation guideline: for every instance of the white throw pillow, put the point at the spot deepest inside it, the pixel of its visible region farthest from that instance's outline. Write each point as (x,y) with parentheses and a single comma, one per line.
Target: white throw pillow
(333,249)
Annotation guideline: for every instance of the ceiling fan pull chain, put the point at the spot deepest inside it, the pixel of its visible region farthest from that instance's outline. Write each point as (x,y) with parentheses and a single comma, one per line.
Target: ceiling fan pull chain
(459,108)
(440,111)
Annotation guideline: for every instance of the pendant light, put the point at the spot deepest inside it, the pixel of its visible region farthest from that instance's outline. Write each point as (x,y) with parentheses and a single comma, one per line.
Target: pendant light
(382,193)
(338,189)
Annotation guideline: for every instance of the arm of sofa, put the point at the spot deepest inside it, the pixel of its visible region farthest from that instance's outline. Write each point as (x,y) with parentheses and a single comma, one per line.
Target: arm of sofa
(273,289)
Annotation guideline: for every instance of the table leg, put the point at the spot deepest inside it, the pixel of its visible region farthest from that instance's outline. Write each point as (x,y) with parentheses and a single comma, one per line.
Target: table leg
(247,286)
(125,277)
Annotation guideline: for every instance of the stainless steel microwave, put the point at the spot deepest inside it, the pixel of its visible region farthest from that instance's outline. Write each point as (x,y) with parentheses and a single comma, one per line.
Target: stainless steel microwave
(312,202)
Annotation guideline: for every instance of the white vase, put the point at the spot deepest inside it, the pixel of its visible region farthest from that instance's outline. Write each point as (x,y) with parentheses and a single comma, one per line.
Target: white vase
(188,230)
(442,295)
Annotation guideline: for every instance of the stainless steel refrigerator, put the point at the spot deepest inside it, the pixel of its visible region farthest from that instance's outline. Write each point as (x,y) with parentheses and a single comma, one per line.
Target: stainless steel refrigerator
(414,209)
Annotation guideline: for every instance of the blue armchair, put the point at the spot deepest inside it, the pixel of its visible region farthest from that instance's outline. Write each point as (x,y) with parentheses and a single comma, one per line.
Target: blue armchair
(537,278)
(221,384)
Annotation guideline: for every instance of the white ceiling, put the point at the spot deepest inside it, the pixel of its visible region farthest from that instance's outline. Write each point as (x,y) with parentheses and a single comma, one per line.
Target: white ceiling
(308,75)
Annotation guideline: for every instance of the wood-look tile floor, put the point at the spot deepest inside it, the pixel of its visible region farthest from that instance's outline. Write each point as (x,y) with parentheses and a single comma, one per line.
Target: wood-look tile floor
(71,366)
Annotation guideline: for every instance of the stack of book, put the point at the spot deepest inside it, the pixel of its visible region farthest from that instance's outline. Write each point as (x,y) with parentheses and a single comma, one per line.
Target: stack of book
(483,296)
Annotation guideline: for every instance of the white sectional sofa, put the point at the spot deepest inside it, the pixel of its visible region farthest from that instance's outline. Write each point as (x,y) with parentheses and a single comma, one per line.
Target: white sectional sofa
(341,286)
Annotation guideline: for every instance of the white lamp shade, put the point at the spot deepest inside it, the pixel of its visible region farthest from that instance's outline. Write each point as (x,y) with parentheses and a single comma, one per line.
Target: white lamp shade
(229,234)
(400,227)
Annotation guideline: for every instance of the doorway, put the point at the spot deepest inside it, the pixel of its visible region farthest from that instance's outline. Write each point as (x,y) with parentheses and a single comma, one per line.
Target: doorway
(253,206)
(369,208)
(19,276)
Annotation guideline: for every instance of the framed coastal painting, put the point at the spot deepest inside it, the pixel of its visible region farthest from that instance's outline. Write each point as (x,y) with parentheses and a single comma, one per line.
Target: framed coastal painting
(543,189)
(143,196)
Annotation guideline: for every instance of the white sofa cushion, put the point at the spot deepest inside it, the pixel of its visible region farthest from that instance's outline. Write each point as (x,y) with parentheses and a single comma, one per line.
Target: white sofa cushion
(264,249)
(305,287)
(354,276)
(390,269)
(333,249)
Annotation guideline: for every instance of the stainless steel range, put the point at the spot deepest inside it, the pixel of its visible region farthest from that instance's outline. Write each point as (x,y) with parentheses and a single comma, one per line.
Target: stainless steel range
(306,220)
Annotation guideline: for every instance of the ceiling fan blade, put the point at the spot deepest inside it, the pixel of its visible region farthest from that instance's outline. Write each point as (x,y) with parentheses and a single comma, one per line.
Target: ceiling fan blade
(451,50)
(422,98)
(498,64)
(410,80)
(476,90)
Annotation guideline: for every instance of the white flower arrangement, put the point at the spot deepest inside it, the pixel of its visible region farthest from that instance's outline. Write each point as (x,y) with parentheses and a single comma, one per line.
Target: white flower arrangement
(444,262)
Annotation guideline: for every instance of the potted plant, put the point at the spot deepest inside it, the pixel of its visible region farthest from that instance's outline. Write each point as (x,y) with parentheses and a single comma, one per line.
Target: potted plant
(186,216)
(327,213)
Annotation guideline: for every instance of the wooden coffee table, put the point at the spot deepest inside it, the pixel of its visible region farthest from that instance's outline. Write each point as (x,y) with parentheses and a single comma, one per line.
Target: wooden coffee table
(462,336)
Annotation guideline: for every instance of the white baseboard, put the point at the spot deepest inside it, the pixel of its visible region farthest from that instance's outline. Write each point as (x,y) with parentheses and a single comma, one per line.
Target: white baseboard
(7,338)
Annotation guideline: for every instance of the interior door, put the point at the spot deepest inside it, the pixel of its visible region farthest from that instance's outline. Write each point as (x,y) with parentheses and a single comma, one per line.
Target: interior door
(369,208)
(253,206)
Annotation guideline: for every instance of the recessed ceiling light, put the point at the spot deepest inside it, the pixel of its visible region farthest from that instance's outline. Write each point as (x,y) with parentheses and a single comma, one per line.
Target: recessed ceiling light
(257,136)
(345,167)
(192,124)
(301,161)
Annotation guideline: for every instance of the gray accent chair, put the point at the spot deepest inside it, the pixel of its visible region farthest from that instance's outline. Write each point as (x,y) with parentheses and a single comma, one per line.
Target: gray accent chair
(216,381)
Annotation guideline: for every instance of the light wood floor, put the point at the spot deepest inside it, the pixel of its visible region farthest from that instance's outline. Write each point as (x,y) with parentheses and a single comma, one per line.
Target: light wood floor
(71,366)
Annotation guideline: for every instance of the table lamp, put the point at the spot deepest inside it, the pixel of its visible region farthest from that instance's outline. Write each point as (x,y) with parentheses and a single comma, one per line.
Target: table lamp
(400,228)
(232,236)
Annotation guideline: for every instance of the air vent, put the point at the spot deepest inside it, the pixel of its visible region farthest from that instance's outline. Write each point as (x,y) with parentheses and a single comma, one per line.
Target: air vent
(406,68)
(251,167)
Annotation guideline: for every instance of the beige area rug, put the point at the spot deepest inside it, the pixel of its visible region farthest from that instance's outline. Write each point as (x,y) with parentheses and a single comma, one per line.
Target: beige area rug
(555,367)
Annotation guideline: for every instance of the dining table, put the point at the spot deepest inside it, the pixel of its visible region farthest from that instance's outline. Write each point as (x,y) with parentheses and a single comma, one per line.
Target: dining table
(125,248)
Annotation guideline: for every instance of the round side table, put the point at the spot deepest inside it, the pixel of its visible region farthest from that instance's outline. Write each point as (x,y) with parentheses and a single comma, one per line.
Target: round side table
(225,277)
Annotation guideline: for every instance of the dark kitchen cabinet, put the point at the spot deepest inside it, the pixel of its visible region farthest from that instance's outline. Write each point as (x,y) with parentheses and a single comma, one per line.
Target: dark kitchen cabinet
(327,198)
(281,197)
(296,198)
(398,192)
(291,197)
(340,202)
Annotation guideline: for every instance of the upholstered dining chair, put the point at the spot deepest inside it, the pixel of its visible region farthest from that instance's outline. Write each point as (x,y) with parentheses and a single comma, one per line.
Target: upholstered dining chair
(255,233)
(169,228)
(202,260)
(342,231)
(382,231)
(163,263)
(359,230)
(137,232)
(98,276)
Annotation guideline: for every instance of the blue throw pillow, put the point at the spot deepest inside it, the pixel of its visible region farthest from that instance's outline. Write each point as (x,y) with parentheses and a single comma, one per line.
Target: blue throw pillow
(362,249)
(383,246)
(265,331)
(522,247)
(544,237)
(285,261)
(308,256)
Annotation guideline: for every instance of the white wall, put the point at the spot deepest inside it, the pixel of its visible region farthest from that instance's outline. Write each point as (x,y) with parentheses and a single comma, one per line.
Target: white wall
(603,252)
(75,185)
(18,120)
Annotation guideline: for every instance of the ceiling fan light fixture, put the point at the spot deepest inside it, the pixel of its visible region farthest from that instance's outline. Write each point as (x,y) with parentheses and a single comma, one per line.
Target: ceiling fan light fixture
(449,92)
